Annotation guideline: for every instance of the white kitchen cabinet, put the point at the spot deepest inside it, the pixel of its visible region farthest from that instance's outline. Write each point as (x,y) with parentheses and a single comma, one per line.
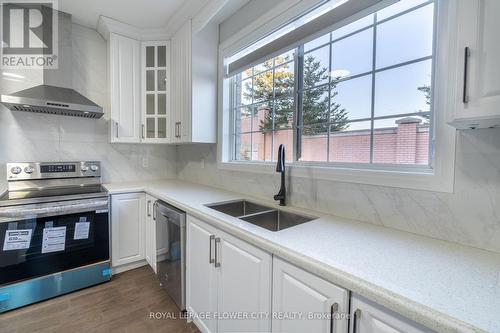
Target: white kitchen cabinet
(478,71)
(155,92)
(201,276)
(226,275)
(369,317)
(194,94)
(124,78)
(296,291)
(127,229)
(244,284)
(150,232)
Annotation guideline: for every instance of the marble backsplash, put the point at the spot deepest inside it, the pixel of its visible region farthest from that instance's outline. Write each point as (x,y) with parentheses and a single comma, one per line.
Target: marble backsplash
(38,137)
(470,215)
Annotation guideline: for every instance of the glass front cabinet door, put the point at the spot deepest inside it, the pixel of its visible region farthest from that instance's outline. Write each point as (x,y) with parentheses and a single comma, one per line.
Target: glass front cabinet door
(156,92)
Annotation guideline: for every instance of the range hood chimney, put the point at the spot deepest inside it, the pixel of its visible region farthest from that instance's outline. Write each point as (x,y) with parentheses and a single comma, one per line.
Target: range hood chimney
(55,95)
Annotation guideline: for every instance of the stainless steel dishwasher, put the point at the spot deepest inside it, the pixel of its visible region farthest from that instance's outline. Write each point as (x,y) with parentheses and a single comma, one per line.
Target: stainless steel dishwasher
(171,251)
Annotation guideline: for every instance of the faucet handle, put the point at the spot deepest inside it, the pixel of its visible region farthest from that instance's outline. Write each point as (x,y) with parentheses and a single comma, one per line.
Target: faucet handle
(280,166)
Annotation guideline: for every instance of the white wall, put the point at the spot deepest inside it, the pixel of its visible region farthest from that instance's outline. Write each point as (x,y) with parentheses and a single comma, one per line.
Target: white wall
(470,216)
(40,137)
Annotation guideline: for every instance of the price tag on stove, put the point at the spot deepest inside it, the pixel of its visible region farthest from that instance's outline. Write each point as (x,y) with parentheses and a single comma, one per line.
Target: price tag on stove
(17,239)
(54,239)
(81,230)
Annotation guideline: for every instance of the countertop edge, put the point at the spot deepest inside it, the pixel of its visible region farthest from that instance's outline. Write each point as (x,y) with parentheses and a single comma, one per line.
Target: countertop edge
(415,311)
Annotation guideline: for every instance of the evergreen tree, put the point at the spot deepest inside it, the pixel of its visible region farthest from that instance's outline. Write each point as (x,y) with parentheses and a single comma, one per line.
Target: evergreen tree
(315,101)
(426,90)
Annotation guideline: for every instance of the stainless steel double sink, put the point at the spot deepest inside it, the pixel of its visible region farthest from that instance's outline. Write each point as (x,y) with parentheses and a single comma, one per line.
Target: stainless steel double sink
(263,216)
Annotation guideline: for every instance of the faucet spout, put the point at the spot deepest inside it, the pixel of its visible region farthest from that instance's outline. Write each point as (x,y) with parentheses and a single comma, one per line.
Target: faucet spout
(280,167)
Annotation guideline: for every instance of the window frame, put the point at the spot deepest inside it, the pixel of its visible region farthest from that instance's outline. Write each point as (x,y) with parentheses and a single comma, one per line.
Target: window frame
(438,176)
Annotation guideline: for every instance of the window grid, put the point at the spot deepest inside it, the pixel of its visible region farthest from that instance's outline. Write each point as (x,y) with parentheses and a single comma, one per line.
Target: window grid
(298,125)
(252,106)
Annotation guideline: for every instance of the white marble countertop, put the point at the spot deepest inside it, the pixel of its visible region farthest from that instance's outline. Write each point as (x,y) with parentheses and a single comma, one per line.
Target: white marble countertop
(444,286)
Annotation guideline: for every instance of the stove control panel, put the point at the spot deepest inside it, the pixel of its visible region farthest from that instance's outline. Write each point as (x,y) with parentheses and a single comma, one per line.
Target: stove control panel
(47,170)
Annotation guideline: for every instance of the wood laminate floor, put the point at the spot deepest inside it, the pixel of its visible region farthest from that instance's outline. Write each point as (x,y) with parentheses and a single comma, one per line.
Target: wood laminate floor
(122,305)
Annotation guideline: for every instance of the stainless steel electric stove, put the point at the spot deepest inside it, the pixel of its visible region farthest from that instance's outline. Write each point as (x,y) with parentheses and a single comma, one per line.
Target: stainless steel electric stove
(54,231)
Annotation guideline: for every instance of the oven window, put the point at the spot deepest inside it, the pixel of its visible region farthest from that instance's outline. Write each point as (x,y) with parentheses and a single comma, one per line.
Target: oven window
(34,247)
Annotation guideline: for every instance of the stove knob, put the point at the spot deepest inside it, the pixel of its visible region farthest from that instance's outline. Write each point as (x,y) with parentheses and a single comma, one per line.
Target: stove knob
(29,169)
(94,168)
(16,170)
(84,168)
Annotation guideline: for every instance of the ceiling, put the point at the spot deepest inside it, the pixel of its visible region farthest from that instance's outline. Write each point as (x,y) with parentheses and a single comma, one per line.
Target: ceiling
(139,13)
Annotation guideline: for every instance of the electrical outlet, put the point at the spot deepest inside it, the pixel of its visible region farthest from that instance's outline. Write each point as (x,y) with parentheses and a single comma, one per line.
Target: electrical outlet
(145,161)
(202,164)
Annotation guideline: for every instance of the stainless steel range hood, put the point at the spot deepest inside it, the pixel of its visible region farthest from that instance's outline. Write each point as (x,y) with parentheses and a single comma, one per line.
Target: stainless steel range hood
(55,95)
(52,100)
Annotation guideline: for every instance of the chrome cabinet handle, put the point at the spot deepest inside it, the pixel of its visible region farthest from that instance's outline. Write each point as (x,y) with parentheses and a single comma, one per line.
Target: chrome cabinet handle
(355,318)
(178,129)
(465,96)
(210,259)
(143,131)
(116,129)
(149,207)
(217,262)
(333,309)
(154,210)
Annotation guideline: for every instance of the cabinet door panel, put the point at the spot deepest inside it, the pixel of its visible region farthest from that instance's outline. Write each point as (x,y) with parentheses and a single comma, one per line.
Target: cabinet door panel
(373,318)
(124,56)
(201,291)
(128,228)
(478,27)
(296,291)
(150,239)
(244,285)
(156,94)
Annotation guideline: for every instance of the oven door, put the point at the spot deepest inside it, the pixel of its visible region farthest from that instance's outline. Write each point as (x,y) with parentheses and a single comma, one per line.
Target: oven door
(47,238)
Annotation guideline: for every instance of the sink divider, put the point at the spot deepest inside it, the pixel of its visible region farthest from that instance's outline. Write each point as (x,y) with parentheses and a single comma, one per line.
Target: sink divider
(258,213)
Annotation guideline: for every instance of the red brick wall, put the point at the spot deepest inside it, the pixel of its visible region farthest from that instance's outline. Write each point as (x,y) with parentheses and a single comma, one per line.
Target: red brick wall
(406,143)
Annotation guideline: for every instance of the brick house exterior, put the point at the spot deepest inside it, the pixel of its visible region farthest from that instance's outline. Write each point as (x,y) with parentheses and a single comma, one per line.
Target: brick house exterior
(405,143)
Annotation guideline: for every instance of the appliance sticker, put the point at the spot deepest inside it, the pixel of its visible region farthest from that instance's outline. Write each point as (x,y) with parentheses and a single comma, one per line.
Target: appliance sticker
(54,239)
(81,230)
(83,218)
(49,224)
(17,239)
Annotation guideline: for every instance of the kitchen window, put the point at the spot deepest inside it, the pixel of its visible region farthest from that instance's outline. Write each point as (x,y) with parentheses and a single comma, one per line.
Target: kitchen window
(360,94)
(353,103)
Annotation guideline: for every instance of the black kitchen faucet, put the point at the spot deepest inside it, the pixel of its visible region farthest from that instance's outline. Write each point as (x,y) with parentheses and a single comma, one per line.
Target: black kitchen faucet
(280,167)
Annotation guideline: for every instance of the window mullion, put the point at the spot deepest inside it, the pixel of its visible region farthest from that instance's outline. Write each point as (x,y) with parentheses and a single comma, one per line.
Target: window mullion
(374,64)
(273,111)
(299,85)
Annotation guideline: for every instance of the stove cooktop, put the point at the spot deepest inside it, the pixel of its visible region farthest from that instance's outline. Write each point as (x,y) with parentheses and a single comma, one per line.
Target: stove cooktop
(51,194)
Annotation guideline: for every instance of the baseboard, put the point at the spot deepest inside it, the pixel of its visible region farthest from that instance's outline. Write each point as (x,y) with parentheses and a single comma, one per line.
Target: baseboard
(127,267)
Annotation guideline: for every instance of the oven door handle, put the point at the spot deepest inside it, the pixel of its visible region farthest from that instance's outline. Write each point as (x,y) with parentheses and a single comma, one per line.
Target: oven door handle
(8,214)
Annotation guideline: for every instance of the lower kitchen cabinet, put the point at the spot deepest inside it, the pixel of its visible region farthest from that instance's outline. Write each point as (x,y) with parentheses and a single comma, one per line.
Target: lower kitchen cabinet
(127,229)
(303,302)
(201,279)
(150,232)
(369,317)
(227,279)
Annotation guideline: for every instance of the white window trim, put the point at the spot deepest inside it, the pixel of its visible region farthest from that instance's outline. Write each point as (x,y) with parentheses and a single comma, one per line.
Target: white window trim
(440,178)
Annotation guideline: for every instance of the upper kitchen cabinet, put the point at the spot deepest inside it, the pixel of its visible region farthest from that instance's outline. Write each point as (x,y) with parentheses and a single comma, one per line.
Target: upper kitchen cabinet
(194,94)
(155,92)
(478,72)
(125,84)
